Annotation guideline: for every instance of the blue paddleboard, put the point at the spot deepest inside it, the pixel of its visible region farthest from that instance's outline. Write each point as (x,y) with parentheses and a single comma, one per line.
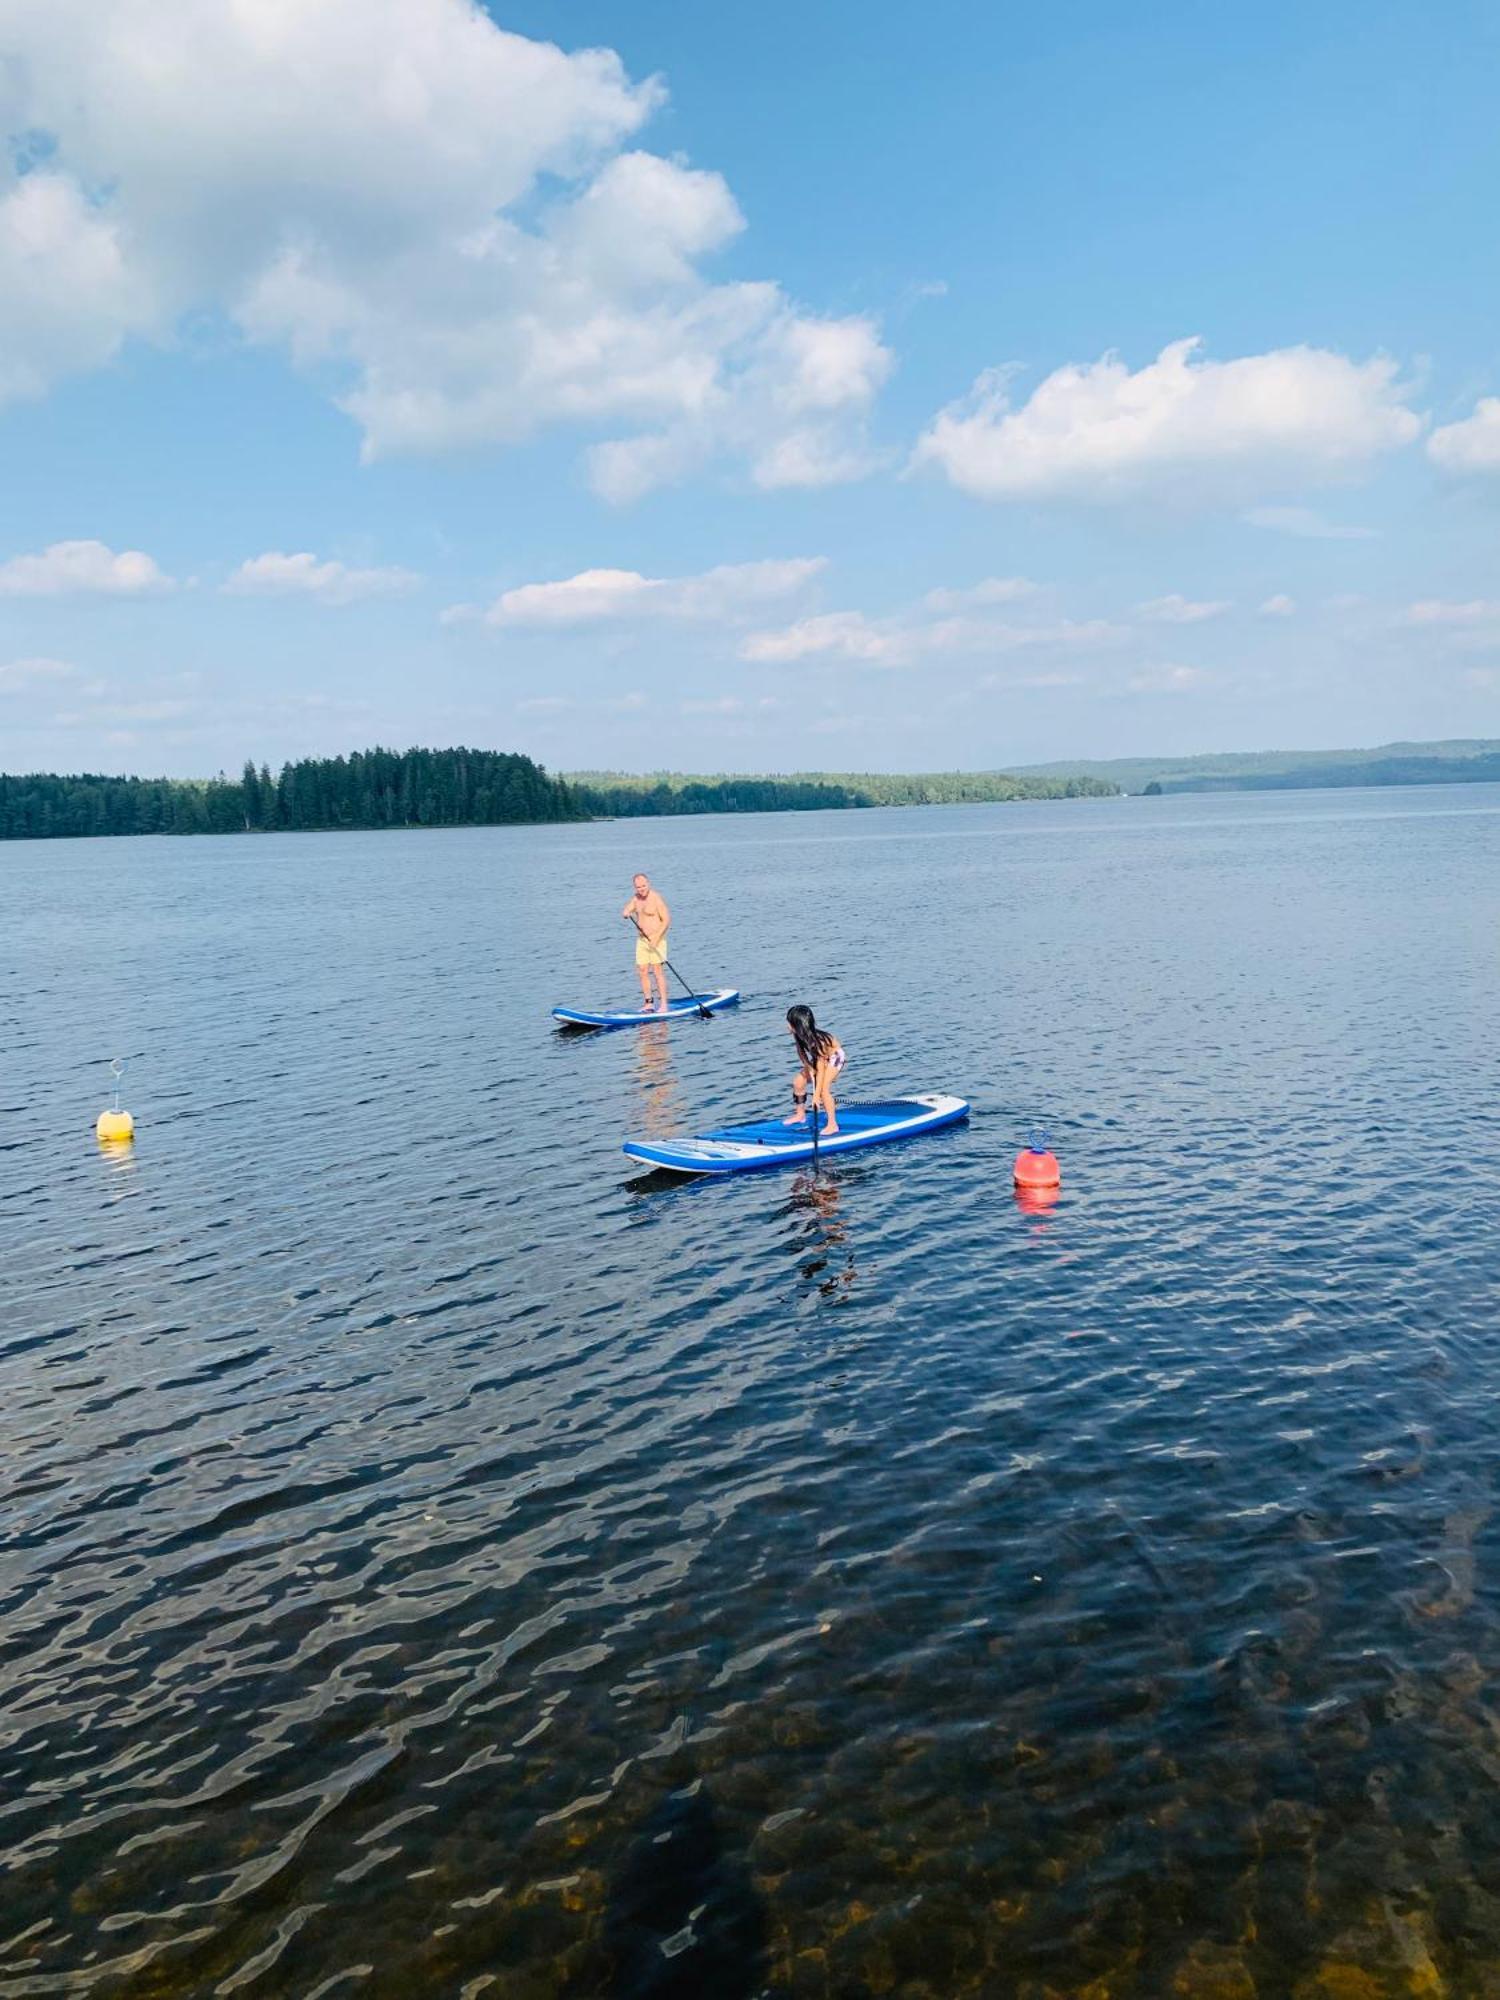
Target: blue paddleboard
(743,1149)
(581,1017)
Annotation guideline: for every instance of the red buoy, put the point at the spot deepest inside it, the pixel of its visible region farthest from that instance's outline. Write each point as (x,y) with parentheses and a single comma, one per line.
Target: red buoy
(1036,1167)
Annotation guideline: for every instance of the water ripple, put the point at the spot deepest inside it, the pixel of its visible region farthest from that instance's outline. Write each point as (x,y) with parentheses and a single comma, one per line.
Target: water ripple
(439,1560)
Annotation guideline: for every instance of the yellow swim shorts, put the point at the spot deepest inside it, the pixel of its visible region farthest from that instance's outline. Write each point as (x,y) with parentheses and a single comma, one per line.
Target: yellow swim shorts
(650,954)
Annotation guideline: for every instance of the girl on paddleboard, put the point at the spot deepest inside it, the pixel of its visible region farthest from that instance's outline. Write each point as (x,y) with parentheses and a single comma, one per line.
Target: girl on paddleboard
(822,1057)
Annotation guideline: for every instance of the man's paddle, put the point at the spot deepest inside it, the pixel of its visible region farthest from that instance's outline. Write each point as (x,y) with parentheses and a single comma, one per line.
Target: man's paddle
(672,969)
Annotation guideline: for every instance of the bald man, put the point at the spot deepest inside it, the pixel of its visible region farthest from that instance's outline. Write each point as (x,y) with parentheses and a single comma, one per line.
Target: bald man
(649,914)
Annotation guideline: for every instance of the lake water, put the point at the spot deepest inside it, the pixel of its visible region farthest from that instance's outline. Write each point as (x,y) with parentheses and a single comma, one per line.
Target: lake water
(436,1559)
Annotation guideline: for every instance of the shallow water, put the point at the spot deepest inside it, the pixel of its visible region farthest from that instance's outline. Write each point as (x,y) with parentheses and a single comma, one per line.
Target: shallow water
(437,1559)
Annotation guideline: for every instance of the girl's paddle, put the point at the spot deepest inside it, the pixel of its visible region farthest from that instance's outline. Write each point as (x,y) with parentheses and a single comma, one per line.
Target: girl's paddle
(673,970)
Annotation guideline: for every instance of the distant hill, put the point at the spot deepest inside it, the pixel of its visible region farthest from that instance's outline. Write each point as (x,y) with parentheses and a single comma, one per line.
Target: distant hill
(1459,761)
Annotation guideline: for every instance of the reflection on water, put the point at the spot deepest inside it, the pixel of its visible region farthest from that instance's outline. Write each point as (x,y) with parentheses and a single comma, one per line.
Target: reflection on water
(434,1562)
(826,1255)
(664,1109)
(1036,1200)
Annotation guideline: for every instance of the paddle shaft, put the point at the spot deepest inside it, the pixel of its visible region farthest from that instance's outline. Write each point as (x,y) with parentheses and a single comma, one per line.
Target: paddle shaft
(809,1102)
(671,968)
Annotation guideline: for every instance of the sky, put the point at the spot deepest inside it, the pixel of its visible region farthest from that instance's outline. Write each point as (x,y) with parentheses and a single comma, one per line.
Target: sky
(835,387)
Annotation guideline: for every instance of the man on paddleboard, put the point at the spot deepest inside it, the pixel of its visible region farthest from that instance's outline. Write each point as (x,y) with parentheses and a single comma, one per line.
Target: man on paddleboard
(648,913)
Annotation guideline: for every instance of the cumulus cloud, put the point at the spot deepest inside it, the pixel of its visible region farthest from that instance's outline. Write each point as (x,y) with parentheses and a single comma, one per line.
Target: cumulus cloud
(1034,682)
(19,676)
(1279,606)
(844,635)
(69,569)
(792,402)
(1442,611)
(1167,679)
(994,590)
(1176,609)
(450,222)
(68,295)
(1473,445)
(1096,431)
(614,596)
(114,714)
(278,575)
(899,641)
(1307,523)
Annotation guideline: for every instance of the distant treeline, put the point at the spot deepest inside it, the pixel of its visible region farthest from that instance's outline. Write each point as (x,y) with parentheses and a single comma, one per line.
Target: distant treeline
(626,798)
(372,788)
(380,788)
(674,791)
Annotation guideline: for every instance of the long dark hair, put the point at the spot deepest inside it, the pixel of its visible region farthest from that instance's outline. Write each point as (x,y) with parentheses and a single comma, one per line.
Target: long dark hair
(813,1042)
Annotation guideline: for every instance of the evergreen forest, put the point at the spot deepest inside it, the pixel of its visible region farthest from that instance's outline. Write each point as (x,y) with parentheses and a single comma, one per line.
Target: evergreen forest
(371,788)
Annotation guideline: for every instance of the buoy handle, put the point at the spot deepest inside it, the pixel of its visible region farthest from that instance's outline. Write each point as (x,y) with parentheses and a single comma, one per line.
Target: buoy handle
(1038,1139)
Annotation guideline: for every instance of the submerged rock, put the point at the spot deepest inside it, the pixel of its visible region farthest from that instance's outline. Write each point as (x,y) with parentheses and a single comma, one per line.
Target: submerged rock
(1213,1972)
(1387,1957)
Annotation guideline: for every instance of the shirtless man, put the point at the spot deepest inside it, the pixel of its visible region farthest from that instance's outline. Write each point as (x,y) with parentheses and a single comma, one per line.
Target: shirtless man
(651,919)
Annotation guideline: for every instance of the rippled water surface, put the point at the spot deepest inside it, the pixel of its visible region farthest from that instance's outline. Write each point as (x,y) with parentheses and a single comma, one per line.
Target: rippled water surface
(435,1559)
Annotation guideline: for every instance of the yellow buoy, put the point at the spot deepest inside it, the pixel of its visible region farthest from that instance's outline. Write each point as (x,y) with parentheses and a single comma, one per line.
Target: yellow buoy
(114,1126)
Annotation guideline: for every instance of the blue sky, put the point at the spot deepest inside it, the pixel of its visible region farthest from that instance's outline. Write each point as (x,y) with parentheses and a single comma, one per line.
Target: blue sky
(708,389)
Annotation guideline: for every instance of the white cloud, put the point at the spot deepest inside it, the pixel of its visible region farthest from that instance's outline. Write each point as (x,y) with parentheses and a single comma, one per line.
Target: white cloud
(994,590)
(1167,679)
(16,676)
(1472,445)
(807,457)
(1443,611)
(900,640)
(544,704)
(793,408)
(844,635)
(1307,523)
(1482,677)
(278,575)
(1279,606)
(68,297)
(448,221)
(114,713)
(68,569)
(612,596)
(1058,677)
(724,704)
(1179,610)
(1094,431)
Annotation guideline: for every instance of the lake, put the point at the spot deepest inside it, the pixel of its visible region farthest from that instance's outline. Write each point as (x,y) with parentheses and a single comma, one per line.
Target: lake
(438,1559)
